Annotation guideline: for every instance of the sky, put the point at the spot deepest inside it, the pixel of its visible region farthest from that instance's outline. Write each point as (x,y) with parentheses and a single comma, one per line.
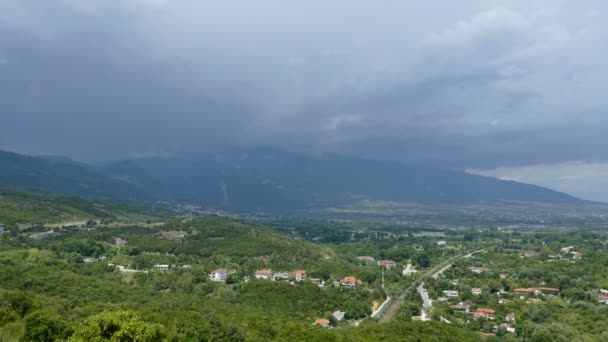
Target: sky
(513,89)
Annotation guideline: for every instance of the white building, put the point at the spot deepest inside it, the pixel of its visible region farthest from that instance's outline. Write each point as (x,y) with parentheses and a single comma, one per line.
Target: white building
(218,275)
(161,267)
(450,293)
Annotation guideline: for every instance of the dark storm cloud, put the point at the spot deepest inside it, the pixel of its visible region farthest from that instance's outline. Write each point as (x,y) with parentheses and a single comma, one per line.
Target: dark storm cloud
(467,84)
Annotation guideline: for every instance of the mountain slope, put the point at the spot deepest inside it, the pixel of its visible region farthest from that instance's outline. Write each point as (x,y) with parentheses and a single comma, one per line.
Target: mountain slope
(51,174)
(270,181)
(264,180)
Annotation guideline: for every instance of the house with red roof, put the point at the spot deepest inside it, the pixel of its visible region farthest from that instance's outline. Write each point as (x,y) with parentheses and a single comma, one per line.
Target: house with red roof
(263,274)
(387,263)
(350,281)
(483,313)
(323,322)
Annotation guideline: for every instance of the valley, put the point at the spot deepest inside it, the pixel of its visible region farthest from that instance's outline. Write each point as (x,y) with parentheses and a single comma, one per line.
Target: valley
(120,260)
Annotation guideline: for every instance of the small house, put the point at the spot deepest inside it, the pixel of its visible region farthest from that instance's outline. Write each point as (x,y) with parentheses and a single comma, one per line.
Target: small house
(350,281)
(263,274)
(387,263)
(323,322)
(218,275)
(161,267)
(366,258)
(476,291)
(478,269)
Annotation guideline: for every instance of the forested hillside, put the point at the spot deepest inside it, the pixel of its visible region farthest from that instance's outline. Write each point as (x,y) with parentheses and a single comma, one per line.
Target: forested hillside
(264,181)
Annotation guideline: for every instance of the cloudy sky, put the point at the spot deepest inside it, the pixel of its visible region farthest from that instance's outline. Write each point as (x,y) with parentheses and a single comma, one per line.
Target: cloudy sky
(514,89)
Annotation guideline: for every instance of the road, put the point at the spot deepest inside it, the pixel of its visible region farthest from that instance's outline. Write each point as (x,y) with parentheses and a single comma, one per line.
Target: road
(427,303)
(394,306)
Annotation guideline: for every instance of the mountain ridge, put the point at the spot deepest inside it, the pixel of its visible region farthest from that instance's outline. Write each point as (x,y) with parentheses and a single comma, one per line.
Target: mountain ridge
(263,180)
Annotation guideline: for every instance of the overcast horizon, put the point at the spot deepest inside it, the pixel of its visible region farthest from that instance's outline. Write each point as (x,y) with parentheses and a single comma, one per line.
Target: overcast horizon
(512,89)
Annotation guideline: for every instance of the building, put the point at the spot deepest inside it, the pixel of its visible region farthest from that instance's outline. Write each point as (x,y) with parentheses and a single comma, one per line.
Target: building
(263,274)
(450,293)
(280,276)
(466,306)
(218,275)
(366,258)
(1,228)
(533,301)
(441,243)
(537,290)
(603,299)
(510,318)
(567,249)
(338,315)
(323,322)
(478,269)
(350,281)
(503,276)
(476,291)
(300,275)
(161,267)
(483,313)
(387,263)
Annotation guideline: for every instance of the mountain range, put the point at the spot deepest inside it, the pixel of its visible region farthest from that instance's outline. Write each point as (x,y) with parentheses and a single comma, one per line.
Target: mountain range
(263,180)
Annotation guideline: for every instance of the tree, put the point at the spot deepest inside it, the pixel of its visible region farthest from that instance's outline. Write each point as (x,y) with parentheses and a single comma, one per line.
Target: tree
(118,326)
(43,326)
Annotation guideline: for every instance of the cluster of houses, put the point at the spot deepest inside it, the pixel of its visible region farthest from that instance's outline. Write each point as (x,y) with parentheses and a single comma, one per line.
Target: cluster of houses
(570,250)
(486,313)
(522,252)
(537,290)
(478,313)
(384,263)
(220,275)
(325,323)
(298,275)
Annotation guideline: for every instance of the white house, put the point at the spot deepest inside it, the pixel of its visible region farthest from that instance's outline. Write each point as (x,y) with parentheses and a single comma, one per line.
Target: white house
(218,275)
(161,267)
(450,293)
(263,274)
(476,291)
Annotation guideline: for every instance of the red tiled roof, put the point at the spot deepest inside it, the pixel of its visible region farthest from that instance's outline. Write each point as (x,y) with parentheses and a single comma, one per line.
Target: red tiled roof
(264,272)
(487,311)
(322,321)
